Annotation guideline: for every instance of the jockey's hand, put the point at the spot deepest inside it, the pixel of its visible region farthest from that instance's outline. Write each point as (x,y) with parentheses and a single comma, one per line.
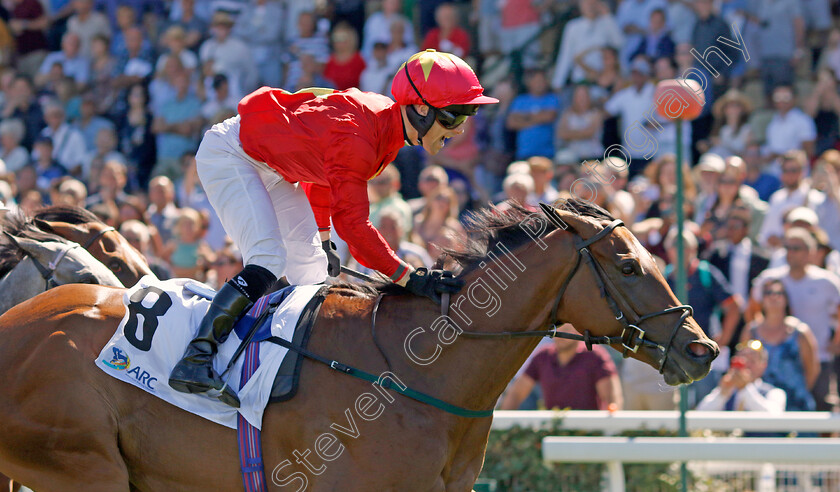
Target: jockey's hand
(333,260)
(432,283)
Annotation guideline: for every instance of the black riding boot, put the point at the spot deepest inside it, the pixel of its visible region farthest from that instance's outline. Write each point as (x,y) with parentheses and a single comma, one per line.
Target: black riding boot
(195,373)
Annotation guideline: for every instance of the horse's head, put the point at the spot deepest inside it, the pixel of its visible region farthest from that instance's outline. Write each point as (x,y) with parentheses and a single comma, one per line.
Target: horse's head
(60,262)
(616,274)
(105,244)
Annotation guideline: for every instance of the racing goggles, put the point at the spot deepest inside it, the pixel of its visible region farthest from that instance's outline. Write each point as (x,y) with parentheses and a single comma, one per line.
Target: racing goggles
(453,116)
(449,117)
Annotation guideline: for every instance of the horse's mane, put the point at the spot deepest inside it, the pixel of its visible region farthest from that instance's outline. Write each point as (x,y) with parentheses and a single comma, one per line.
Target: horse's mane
(65,213)
(20,225)
(490,227)
(485,230)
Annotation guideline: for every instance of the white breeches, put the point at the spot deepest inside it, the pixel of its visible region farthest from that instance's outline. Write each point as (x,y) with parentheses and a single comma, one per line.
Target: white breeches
(267,217)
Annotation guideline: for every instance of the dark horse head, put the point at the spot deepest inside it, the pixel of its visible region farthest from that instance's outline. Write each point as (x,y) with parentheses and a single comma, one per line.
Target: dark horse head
(583,267)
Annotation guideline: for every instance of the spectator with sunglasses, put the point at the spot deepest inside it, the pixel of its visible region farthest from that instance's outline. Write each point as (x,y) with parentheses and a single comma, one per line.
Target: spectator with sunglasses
(330,143)
(793,364)
(814,298)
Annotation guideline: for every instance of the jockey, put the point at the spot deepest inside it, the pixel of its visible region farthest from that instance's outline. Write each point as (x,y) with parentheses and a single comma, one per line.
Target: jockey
(288,163)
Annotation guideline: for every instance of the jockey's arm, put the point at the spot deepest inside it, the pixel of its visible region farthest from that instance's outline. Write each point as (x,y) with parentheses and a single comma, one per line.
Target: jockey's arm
(349,209)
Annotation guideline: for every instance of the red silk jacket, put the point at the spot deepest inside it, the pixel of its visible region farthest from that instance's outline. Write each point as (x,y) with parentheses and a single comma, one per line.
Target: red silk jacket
(332,142)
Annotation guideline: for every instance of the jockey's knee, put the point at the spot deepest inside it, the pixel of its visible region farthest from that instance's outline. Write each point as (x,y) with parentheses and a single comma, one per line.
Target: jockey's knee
(306,266)
(274,264)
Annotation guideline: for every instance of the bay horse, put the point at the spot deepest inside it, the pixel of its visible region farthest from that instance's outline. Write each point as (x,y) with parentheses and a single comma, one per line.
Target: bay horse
(104,242)
(68,426)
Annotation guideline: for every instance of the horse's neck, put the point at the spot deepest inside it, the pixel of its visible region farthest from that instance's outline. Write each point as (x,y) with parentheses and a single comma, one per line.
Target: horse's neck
(21,283)
(473,373)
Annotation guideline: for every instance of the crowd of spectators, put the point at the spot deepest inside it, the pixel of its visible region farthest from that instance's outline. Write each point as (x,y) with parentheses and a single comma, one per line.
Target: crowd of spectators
(103,104)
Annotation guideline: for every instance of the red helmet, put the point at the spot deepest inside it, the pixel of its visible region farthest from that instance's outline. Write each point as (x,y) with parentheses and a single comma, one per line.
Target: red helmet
(437,79)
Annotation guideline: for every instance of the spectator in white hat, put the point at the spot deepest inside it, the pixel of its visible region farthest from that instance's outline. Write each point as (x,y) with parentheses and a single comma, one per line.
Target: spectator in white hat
(708,171)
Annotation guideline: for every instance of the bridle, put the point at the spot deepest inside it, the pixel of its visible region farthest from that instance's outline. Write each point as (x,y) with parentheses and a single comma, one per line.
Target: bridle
(48,272)
(97,236)
(632,336)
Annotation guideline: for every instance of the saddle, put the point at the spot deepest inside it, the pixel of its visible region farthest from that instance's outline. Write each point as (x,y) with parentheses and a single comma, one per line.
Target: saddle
(256,327)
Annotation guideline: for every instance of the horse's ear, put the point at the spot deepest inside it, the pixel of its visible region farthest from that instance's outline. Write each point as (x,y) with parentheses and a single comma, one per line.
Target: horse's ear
(14,240)
(44,225)
(63,229)
(552,216)
(29,245)
(567,214)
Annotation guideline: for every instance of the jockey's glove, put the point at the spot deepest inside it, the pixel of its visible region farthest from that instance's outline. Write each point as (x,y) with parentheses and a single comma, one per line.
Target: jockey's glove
(333,260)
(432,283)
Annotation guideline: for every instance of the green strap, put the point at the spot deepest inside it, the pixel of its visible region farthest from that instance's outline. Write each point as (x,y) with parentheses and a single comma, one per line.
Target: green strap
(357,373)
(416,395)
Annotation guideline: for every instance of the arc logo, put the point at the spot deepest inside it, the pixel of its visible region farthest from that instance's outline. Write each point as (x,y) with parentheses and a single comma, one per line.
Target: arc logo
(121,362)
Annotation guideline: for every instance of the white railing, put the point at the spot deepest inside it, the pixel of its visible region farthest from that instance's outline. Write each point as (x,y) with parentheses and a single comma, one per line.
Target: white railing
(757,454)
(615,451)
(576,449)
(616,422)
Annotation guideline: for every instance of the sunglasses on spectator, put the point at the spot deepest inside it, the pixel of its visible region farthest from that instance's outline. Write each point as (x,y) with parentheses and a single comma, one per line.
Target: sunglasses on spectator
(791,170)
(795,247)
(728,181)
(774,292)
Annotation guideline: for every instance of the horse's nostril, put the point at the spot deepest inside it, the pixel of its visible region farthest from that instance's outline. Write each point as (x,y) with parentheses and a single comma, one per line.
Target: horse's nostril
(699,350)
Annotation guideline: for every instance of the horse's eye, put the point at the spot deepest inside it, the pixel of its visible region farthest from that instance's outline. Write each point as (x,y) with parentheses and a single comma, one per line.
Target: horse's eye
(115,266)
(627,269)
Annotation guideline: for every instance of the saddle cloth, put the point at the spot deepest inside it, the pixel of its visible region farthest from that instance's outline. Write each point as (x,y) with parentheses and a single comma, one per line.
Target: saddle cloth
(162,317)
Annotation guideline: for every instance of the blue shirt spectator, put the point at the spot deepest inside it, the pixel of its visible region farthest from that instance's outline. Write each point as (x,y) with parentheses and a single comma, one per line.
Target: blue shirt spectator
(261,23)
(73,64)
(308,42)
(110,7)
(532,116)
(657,42)
(90,123)
(177,123)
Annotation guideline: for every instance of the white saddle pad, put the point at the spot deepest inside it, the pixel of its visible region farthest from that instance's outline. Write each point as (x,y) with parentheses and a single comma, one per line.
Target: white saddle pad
(161,318)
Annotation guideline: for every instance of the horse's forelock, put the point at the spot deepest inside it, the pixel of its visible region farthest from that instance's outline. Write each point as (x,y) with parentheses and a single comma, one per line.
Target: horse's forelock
(20,225)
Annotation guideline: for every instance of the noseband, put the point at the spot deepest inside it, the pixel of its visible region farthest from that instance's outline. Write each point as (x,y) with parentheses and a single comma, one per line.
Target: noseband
(632,336)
